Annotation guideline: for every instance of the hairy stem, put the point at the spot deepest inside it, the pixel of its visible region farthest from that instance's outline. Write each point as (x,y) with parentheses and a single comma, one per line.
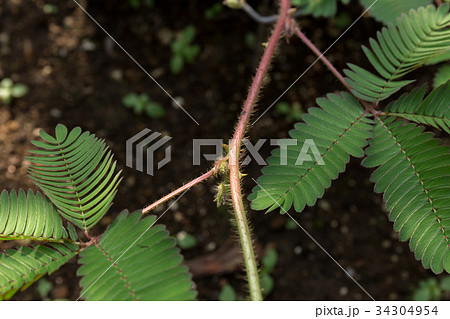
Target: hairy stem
(235,151)
(320,55)
(181,189)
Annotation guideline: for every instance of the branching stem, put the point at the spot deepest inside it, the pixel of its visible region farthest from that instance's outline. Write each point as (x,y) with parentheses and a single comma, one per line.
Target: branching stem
(181,189)
(233,159)
(322,57)
(235,152)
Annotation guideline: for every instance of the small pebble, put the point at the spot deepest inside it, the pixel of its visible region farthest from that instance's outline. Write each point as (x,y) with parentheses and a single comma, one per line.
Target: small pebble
(394,259)
(350,271)
(386,244)
(59,280)
(178,216)
(173,205)
(88,45)
(179,101)
(211,246)
(298,250)
(344,229)
(116,75)
(56,113)
(404,275)
(325,205)
(343,291)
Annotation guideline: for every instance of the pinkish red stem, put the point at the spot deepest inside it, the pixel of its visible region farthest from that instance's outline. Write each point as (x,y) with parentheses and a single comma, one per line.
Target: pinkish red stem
(234,157)
(199,179)
(330,66)
(235,152)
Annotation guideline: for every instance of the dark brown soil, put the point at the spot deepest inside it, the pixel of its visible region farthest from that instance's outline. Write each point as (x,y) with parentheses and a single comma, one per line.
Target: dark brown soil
(77,76)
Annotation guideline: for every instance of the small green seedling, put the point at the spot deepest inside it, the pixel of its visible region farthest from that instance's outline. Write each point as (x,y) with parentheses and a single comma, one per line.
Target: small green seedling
(50,9)
(213,11)
(227,293)
(142,103)
(186,240)
(183,51)
(292,113)
(318,8)
(432,290)
(269,262)
(138,4)
(290,224)
(10,90)
(43,288)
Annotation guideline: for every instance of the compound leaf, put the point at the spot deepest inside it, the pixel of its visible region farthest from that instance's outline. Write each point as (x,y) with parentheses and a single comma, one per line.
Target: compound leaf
(318,8)
(134,260)
(76,171)
(29,216)
(387,11)
(293,176)
(414,176)
(415,39)
(434,110)
(442,75)
(21,267)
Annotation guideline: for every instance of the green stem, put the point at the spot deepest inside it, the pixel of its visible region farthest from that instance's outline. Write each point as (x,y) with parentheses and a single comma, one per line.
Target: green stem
(235,152)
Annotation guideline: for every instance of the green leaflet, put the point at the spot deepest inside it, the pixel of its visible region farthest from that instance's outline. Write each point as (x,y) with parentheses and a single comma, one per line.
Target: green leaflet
(29,216)
(76,171)
(21,267)
(134,260)
(414,176)
(434,110)
(339,128)
(414,40)
(442,75)
(387,11)
(318,8)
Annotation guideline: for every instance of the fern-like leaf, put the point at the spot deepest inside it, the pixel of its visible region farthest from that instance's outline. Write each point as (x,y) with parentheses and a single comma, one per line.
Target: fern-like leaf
(434,110)
(318,8)
(134,260)
(21,267)
(442,75)
(414,176)
(76,171)
(416,38)
(387,11)
(29,216)
(338,129)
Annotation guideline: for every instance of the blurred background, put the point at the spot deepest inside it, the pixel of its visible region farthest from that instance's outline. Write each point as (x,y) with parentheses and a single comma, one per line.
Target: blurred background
(65,69)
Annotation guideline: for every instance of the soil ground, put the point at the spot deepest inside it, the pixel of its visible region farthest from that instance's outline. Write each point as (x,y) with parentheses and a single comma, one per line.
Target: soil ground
(77,76)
